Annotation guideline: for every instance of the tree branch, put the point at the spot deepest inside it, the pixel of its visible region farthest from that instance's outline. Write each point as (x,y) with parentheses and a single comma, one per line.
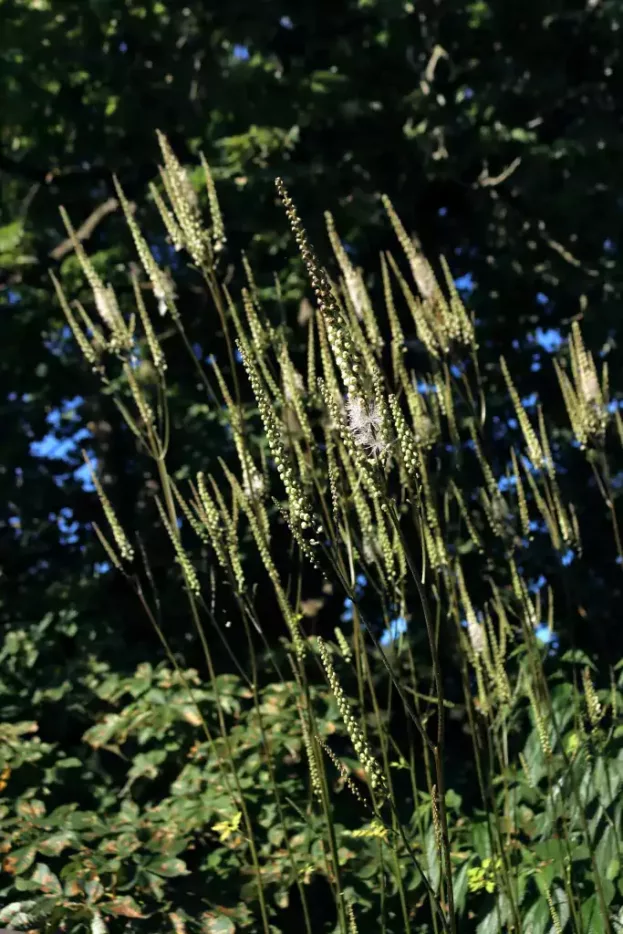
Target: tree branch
(85,230)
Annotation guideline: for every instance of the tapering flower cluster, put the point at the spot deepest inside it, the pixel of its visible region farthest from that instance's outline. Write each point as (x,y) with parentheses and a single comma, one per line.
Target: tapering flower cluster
(293,388)
(434,797)
(230,534)
(592,701)
(88,351)
(183,200)
(209,516)
(125,549)
(439,323)
(291,618)
(107,307)
(144,409)
(540,722)
(155,349)
(342,769)
(343,644)
(161,285)
(553,912)
(354,287)
(343,347)
(219,238)
(535,451)
(173,229)
(183,560)
(475,630)
(352,924)
(361,747)
(406,441)
(301,512)
(314,771)
(199,528)
(585,401)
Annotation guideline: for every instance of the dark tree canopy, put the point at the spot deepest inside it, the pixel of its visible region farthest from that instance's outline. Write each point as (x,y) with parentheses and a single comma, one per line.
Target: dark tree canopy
(495,128)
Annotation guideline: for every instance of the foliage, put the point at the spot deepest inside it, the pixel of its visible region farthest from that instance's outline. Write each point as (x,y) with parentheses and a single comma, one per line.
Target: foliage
(492,128)
(216,801)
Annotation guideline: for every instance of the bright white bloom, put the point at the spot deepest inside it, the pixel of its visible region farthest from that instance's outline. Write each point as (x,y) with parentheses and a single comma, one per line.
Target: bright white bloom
(476,633)
(295,386)
(590,385)
(103,307)
(162,301)
(253,484)
(365,422)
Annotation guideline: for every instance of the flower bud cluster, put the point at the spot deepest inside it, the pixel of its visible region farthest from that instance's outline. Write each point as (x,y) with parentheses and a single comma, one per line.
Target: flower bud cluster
(125,549)
(301,513)
(585,401)
(161,285)
(440,324)
(209,516)
(346,356)
(183,200)
(361,747)
(183,560)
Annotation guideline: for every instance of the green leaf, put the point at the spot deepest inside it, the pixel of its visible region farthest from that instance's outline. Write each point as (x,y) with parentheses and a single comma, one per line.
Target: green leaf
(453,800)
(480,839)
(490,923)
(30,808)
(591,916)
(460,886)
(10,236)
(20,860)
(538,918)
(606,851)
(432,856)
(55,844)
(46,880)
(213,923)
(125,907)
(169,868)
